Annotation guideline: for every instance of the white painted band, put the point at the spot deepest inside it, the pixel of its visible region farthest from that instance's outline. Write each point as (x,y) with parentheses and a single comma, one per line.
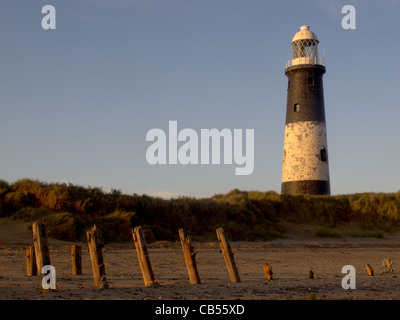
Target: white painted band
(302,152)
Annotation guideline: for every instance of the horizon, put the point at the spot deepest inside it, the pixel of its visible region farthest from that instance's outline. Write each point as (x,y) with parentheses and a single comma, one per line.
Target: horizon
(172,197)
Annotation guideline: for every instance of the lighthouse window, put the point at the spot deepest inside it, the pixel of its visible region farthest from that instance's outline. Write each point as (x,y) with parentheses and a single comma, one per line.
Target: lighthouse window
(310,81)
(323,155)
(296,107)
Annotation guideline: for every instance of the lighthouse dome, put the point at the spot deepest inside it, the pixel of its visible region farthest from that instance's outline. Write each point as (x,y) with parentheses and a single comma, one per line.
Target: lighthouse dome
(305,34)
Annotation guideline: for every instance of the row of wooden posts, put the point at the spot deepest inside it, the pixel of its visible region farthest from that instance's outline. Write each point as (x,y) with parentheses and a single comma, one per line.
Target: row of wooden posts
(39,256)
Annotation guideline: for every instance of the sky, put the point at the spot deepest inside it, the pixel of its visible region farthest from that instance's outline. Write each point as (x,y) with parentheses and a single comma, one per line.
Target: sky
(77,102)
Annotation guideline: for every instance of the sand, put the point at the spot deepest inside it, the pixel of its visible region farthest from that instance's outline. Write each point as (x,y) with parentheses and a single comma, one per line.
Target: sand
(291,260)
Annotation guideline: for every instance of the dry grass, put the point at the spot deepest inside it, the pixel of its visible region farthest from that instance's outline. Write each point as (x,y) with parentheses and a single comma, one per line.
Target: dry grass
(68,209)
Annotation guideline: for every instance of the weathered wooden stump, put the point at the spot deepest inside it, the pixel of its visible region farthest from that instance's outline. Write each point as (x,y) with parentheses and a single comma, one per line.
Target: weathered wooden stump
(76,257)
(370,271)
(228,255)
(96,257)
(268,271)
(190,257)
(143,257)
(31,267)
(41,245)
(389,265)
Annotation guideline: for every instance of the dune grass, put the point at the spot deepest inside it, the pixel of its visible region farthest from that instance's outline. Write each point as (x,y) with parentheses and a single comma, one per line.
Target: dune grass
(245,215)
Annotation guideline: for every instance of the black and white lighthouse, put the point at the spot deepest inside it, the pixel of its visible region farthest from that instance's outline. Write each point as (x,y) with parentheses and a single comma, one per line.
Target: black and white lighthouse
(305,168)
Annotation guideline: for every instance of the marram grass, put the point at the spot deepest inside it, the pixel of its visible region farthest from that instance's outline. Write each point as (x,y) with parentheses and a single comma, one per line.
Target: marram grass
(68,209)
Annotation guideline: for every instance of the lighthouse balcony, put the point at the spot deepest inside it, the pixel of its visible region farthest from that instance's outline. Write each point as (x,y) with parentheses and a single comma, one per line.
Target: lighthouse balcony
(305,60)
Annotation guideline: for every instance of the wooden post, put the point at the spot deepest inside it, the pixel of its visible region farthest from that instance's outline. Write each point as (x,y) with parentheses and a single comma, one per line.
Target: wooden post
(31,267)
(41,245)
(310,274)
(228,255)
(268,272)
(76,256)
(389,265)
(370,271)
(96,257)
(190,257)
(143,256)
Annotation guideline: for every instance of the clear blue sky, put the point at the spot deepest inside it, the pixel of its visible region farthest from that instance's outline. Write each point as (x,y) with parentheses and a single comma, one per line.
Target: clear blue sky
(76,102)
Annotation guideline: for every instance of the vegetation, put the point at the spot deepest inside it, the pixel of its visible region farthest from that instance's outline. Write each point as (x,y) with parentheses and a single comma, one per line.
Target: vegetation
(323,232)
(68,210)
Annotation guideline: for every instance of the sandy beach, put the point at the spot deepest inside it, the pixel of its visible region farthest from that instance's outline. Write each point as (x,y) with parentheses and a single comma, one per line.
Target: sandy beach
(291,260)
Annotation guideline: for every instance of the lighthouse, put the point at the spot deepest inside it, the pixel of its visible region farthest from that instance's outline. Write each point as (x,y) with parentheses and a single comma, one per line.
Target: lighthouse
(305,165)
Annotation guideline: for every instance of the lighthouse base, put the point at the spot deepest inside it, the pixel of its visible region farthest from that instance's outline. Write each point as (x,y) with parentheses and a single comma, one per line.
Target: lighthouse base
(316,187)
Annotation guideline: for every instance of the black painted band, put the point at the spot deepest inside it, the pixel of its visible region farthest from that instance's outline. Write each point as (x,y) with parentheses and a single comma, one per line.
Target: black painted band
(305,96)
(316,187)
